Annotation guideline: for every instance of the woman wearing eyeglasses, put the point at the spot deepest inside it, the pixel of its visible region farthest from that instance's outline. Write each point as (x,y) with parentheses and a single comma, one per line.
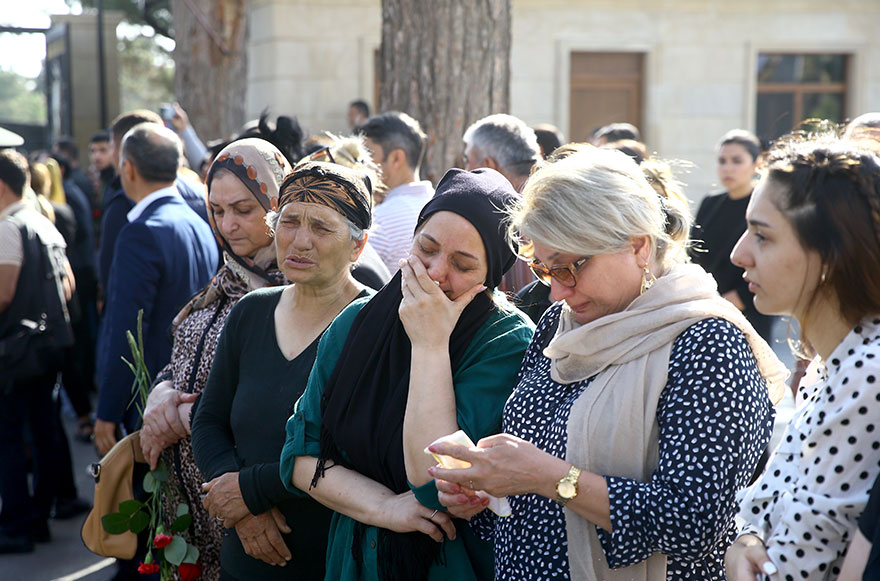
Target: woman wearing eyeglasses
(642,404)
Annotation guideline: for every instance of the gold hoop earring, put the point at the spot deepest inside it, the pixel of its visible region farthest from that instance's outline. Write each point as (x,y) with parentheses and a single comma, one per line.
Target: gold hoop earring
(648,280)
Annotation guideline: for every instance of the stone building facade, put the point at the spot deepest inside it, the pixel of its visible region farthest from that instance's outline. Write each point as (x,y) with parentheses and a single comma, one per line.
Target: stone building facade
(685,71)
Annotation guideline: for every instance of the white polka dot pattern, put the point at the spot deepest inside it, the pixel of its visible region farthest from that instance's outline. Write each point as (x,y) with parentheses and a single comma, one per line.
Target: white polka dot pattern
(806,504)
(715,420)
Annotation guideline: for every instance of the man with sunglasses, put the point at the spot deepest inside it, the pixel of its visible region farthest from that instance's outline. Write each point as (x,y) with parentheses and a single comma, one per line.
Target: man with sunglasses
(397,145)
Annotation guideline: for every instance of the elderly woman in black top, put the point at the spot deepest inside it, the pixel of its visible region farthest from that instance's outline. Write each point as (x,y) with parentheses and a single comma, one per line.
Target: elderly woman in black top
(261,366)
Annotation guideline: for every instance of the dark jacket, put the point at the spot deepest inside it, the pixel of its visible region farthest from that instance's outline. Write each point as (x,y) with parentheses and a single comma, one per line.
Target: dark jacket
(160,260)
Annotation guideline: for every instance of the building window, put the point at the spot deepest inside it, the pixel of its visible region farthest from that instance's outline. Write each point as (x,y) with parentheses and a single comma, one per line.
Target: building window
(795,87)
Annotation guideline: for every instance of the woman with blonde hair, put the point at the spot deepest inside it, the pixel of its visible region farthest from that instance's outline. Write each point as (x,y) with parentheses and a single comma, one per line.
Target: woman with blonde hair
(643,402)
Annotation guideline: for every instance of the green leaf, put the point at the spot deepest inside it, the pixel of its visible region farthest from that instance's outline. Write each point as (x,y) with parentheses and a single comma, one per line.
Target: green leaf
(139,521)
(150,483)
(181,523)
(115,523)
(176,550)
(182,509)
(129,507)
(192,554)
(160,473)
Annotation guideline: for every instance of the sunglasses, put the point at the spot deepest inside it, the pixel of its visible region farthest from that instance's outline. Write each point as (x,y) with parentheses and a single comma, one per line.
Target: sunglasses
(322,154)
(565,274)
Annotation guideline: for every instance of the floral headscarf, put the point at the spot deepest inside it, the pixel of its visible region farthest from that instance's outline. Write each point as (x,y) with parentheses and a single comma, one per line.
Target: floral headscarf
(261,167)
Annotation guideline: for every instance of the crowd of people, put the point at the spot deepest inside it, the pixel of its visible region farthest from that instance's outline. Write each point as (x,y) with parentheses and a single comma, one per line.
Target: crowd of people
(322,328)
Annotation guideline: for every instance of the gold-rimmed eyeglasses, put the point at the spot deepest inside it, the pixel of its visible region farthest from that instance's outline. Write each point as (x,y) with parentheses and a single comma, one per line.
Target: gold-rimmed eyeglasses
(566,274)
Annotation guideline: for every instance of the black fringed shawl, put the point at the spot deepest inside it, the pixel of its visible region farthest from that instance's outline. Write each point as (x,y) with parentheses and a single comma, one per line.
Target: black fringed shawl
(364,399)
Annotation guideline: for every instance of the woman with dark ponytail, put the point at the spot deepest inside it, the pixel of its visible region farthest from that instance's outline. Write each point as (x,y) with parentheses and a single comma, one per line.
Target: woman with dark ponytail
(812,251)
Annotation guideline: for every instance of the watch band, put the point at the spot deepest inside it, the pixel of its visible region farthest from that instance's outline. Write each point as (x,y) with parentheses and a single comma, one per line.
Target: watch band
(570,480)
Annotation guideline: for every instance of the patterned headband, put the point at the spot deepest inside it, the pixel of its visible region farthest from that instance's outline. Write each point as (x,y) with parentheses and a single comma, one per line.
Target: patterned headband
(346,191)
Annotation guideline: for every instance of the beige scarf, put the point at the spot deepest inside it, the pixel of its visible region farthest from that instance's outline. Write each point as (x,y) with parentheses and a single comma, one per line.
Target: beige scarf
(612,428)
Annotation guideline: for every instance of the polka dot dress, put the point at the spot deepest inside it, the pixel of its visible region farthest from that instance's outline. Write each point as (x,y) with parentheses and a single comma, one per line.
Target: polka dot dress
(806,505)
(715,420)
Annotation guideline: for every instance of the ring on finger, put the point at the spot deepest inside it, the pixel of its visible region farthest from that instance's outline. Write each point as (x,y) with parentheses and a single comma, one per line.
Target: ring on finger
(432,515)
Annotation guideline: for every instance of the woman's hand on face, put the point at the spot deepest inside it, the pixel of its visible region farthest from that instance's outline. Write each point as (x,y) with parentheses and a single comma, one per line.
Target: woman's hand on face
(428,315)
(502,465)
(746,559)
(459,501)
(404,514)
(162,424)
(224,499)
(260,535)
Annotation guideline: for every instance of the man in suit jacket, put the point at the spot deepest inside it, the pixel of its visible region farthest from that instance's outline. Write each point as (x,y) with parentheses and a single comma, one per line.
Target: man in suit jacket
(163,256)
(116,205)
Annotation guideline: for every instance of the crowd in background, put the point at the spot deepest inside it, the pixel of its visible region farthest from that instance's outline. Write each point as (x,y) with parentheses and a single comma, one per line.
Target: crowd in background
(316,316)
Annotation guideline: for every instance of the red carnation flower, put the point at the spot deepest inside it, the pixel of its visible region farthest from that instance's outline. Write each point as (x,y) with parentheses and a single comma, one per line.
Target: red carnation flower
(148,568)
(189,571)
(161,540)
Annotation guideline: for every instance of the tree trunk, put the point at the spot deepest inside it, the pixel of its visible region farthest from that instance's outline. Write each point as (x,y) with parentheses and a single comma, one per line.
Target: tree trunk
(446,63)
(210,80)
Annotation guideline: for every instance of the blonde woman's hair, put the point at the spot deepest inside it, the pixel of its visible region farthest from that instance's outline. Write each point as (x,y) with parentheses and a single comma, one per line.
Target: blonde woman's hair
(675,206)
(353,154)
(593,202)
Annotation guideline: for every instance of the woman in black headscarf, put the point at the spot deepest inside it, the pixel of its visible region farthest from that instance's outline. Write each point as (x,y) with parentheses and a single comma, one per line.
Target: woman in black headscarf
(437,350)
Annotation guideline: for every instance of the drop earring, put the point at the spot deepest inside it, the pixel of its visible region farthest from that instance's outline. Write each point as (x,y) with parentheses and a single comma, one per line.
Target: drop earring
(648,280)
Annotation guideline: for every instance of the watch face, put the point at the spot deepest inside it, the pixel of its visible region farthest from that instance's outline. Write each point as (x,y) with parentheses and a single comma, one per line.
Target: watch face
(566,489)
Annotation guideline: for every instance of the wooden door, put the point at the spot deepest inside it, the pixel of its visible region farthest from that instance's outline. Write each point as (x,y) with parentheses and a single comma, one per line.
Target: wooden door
(606,87)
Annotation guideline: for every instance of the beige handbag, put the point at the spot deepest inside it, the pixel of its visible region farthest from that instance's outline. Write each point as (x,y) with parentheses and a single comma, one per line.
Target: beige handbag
(114,477)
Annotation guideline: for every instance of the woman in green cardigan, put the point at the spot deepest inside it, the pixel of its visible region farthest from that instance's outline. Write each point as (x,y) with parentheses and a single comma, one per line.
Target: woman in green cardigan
(435,351)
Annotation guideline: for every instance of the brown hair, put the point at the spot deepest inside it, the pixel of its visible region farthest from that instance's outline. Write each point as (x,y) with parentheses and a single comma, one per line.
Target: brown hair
(831,196)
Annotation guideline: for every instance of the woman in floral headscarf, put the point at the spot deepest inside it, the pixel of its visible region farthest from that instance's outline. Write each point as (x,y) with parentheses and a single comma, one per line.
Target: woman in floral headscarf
(243,187)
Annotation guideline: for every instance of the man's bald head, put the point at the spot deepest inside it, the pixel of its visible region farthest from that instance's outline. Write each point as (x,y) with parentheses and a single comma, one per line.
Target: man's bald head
(154,151)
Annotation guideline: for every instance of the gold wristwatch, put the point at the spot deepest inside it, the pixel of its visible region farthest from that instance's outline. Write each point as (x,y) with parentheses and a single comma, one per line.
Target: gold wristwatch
(567,487)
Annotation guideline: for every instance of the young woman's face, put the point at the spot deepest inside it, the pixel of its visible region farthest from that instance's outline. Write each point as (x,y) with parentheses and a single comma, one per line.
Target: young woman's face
(239,217)
(314,244)
(781,273)
(452,251)
(736,168)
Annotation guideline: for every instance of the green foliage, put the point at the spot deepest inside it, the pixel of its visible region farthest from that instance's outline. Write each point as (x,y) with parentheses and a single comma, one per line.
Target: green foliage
(155,13)
(150,484)
(176,551)
(146,73)
(136,516)
(139,521)
(181,523)
(21,98)
(192,554)
(129,507)
(115,523)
